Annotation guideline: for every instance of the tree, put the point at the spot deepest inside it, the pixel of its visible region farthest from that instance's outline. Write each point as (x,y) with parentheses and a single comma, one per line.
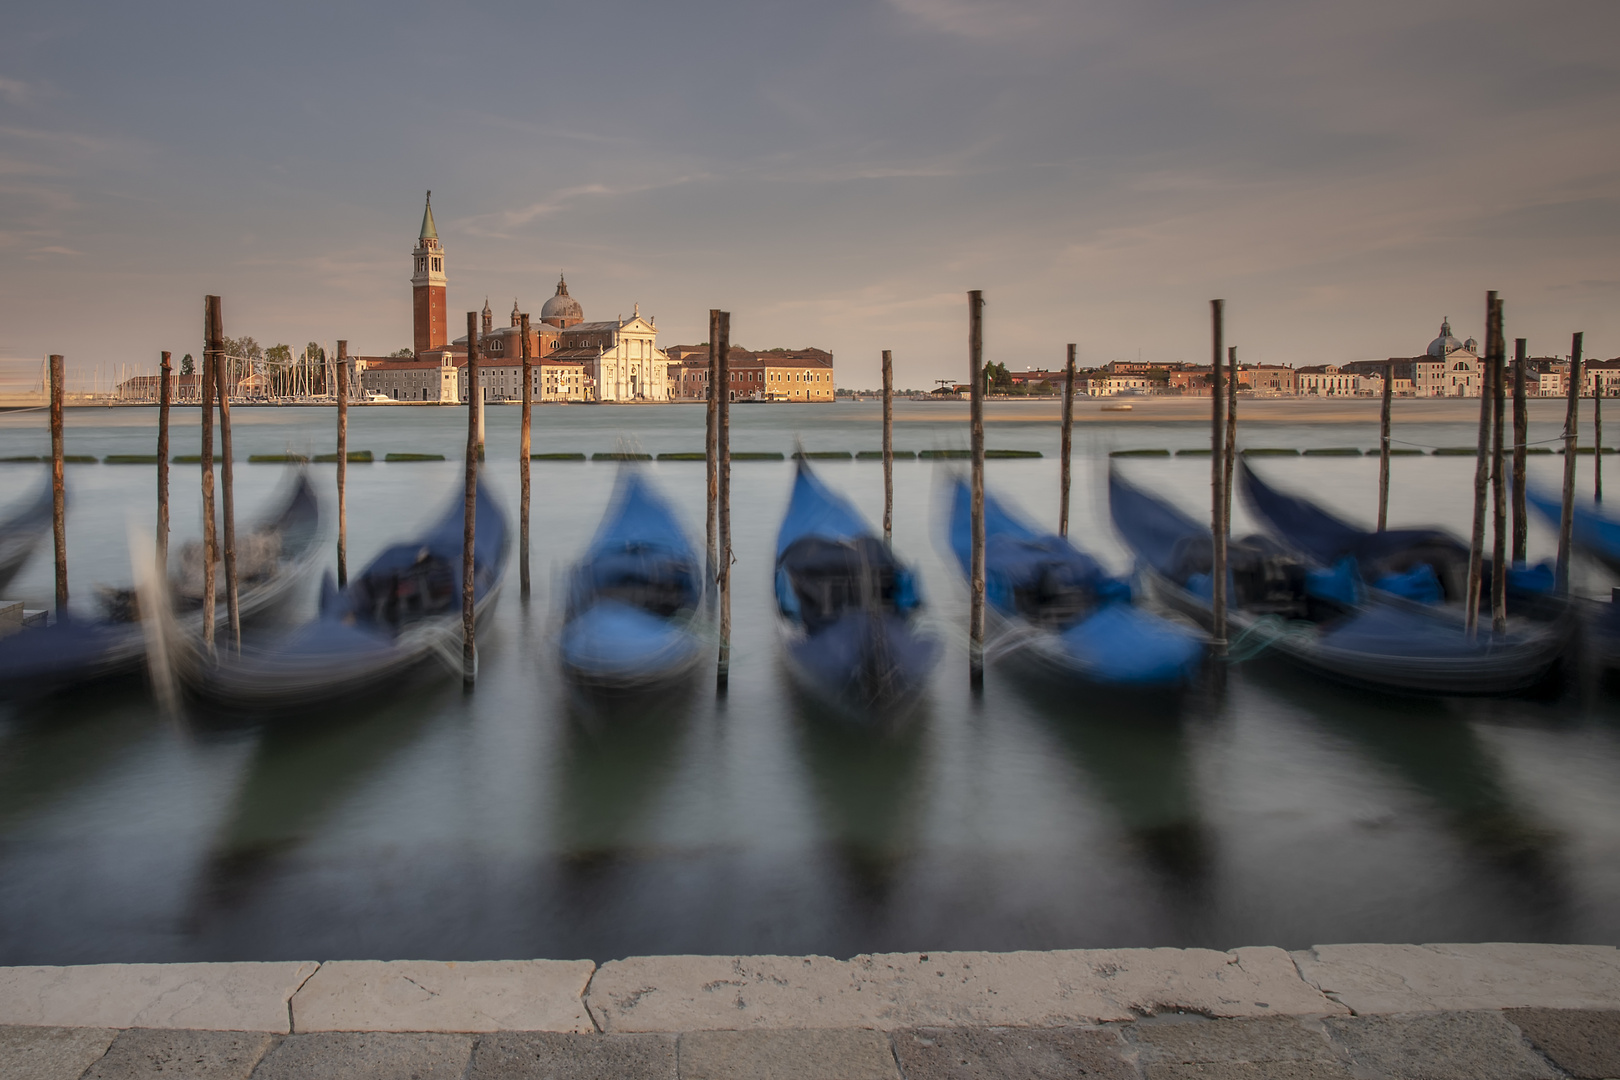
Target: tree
(278,358)
(186,366)
(998,379)
(404,354)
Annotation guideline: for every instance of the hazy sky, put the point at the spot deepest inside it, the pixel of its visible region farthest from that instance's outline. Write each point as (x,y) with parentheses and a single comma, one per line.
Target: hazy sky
(834,173)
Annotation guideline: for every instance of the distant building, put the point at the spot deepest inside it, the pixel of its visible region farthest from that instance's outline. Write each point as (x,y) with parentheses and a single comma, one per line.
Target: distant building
(772,375)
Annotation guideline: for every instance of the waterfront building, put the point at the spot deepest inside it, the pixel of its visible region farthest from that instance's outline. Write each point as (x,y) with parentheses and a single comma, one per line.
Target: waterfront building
(1602,377)
(433,380)
(1325,380)
(771,375)
(1269,380)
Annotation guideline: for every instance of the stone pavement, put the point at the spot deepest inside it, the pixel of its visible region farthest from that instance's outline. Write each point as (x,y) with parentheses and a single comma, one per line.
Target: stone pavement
(1494,1012)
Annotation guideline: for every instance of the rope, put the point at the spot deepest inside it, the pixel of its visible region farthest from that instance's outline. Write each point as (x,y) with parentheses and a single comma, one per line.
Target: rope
(1261,635)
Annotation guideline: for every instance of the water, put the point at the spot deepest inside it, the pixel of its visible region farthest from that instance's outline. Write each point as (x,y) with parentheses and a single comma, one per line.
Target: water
(511,823)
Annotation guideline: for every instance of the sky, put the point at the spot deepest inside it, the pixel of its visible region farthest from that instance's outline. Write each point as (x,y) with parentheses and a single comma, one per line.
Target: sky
(836,174)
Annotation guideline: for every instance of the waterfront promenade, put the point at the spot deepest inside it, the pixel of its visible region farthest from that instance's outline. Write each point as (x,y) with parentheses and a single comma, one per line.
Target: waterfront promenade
(1478,1011)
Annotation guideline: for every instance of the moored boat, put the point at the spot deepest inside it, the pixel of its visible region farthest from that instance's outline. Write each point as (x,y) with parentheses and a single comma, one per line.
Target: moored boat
(1053,604)
(633,606)
(397,619)
(1327,620)
(275,556)
(847,607)
(22,530)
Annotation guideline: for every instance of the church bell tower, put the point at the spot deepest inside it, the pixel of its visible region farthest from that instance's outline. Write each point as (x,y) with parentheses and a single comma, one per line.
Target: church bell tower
(427,286)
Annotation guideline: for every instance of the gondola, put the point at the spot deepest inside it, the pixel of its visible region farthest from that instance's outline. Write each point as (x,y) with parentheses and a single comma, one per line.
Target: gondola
(1052,604)
(21,532)
(273,558)
(1427,565)
(1598,536)
(397,619)
(847,608)
(1326,620)
(634,602)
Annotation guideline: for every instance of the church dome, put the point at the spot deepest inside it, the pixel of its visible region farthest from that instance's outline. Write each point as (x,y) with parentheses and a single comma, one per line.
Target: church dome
(562,306)
(1445,343)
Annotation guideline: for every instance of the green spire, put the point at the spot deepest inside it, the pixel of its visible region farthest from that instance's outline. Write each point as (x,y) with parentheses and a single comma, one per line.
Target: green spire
(428,231)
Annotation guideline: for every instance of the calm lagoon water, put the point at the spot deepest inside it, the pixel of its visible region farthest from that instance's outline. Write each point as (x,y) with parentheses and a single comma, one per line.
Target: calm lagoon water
(515,822)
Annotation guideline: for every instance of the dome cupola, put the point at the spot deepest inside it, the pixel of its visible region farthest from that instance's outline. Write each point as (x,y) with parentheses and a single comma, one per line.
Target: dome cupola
(562,310)
(1445,344)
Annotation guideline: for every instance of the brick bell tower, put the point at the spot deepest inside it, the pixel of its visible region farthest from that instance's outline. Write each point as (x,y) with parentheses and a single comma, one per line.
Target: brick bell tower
(427,286)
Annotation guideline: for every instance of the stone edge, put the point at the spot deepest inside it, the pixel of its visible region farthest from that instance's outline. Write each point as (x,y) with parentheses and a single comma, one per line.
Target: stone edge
(1520,975)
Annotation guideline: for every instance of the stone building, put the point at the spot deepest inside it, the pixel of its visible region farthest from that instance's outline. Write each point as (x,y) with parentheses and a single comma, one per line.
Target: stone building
(772,375)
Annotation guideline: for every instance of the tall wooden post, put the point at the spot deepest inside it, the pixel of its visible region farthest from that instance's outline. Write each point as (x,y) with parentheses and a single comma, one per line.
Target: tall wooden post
(213,330)
(976,488)
(1521,436)
(1572,421)
(58,490)
(711,443)
(222,388)
(1217,448)
(524,446)
(722,462)
(1597,436)
(1066,443)
(1497,355)
(469,648)
(1482,475)
(888,445)
(1229,455)
(1383,446)
(165,399)
(343,462)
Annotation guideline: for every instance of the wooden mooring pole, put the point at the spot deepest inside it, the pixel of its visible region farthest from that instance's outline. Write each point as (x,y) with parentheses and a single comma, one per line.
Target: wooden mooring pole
(711,443)
(1521,436)
(1383,447)
(1229,455)
(227,490)
(523,458)
(165,399)
(469,608)
(888,446)
(976,488)
(1066,443)
(1572,420)
(1482,476)
(1597,436)
(722,463)
(1217,448)
(58,490)
(1496,348)
(213,330)
(343,462)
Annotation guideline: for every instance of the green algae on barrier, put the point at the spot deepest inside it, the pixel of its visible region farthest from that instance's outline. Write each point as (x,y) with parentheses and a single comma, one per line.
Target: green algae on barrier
(1269,451)
(822,455)
(557,457)
(280,459)
(130,459)
(1456,451)
(877,455)
(415,457)
(1149,453)
(736,455)
(621,455)
(963,455)
(356,457)
(1333,451)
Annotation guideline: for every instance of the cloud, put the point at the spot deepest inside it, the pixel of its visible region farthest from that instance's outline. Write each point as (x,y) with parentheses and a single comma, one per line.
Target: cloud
(15,91)
(989,20)
(56,250)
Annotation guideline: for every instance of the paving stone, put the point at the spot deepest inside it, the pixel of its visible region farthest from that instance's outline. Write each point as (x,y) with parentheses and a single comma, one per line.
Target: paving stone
(1011,1054)
(51,1053)
(898,990)
(1251,1070)
(426,995)
(1193,1040)
(786,1054)
(219,997)
(368,1055)
(1419,978)
(560,1056)
(1438,1046)
(182,1055)
(1584,1043)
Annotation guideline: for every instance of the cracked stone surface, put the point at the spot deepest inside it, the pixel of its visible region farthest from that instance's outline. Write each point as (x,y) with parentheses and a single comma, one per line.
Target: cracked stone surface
(1251,1070)
(1414,978)
(1439,1046)
(1011,1054)
(51,1053)
(426,995)
(368,1055)
(1584,1043)
(182,1055)
(895,990)
(226,997)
